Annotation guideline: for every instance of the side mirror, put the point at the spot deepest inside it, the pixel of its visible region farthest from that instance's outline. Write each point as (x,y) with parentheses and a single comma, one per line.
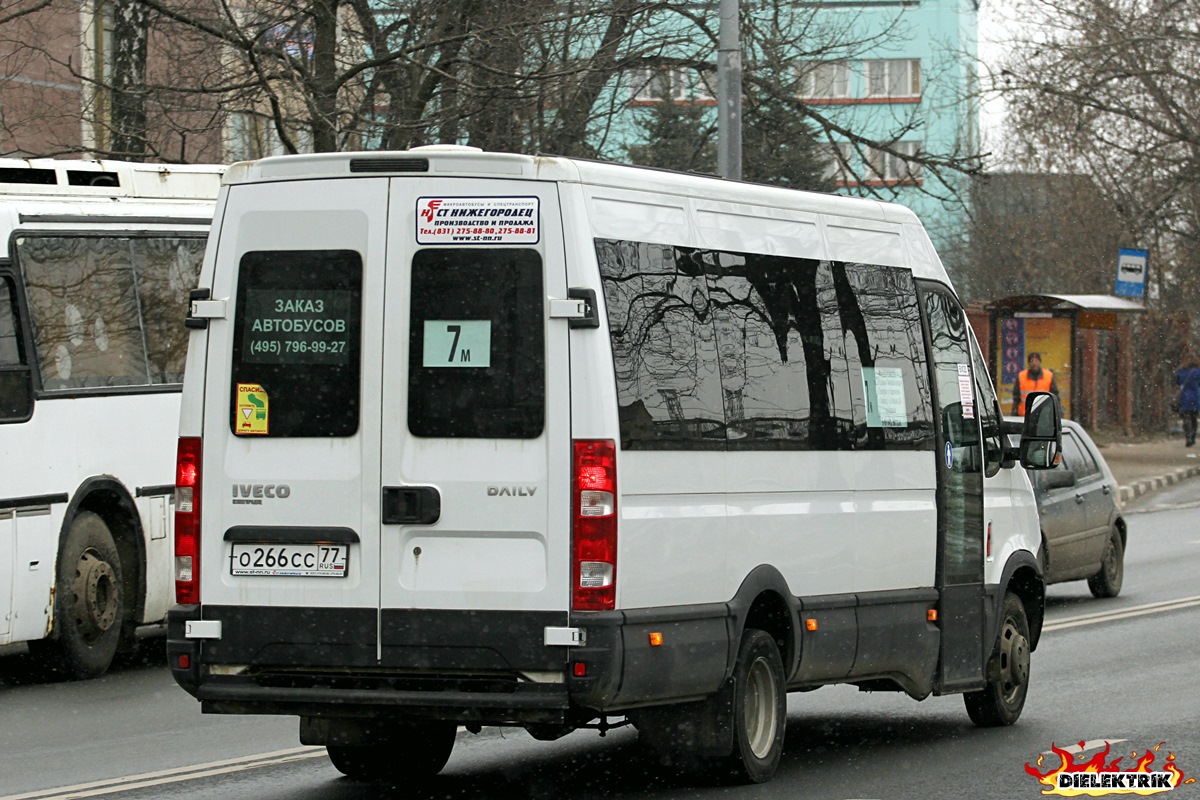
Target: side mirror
(1041,432)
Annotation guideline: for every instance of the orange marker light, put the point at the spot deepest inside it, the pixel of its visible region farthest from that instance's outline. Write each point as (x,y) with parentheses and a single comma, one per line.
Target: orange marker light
(810,624)
(656,639)
(931,615)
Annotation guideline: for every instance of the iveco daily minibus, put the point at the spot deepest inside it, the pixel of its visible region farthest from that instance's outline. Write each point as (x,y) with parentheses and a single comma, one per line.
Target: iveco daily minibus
(477,439)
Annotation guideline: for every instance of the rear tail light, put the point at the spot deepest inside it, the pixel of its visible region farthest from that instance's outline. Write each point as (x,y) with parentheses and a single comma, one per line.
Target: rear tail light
(594,525)
(187,521)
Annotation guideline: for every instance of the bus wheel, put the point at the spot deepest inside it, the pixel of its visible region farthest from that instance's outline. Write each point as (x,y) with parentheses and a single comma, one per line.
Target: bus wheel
(413,752)
(1000,702)
(1107,582)
(759,709)
(88,605)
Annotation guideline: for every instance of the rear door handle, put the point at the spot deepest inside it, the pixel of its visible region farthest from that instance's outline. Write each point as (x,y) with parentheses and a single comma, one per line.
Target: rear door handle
(411,505)
(1078,498)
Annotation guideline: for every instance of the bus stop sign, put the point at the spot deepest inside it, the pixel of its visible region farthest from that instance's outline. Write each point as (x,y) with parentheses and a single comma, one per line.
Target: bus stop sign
(1131,272)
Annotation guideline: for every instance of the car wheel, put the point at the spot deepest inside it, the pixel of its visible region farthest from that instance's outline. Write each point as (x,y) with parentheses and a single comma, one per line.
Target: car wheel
(1107,582)
(414,752)
(1000,702)
(759,710)
(88,605)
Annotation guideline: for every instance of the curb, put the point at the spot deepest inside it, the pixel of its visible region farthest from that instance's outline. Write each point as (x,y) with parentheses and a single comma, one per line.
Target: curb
(1127,493)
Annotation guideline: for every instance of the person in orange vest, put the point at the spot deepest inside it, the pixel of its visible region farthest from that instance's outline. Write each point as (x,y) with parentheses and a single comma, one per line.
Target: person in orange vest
(1032,379)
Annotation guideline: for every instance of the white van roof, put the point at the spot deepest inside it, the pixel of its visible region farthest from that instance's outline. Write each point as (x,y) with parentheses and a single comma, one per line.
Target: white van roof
(448,161)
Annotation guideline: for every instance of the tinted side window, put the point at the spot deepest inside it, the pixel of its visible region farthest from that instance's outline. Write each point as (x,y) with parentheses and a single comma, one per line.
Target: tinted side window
(988,408)
(10,350)
(477,356)
(16,391)
(1076,456)
(781,346)
(166,270)
(664,346)
(297,341)
(748,351)
(107,311)
(881,318)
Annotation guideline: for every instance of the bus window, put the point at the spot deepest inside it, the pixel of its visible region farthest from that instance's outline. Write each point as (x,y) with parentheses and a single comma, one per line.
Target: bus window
(16,399)
(106,309)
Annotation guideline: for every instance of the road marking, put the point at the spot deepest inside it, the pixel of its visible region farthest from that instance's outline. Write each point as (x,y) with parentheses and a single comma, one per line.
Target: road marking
(166,776)
(1110,616)
(1090,744)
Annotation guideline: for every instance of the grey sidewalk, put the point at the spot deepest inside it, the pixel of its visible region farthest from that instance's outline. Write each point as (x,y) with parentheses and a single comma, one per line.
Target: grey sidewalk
(1147,466)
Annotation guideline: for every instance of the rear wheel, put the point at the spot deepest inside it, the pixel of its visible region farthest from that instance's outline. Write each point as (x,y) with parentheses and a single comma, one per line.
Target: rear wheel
(1000,702)
(413,752)
(759,710)
(1107,582)
(88,606)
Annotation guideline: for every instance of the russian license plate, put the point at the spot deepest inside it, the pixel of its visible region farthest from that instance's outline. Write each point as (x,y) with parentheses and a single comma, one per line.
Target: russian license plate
(292,560)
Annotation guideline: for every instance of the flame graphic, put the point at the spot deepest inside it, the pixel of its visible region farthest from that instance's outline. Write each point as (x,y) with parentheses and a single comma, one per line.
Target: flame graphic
(1097,764)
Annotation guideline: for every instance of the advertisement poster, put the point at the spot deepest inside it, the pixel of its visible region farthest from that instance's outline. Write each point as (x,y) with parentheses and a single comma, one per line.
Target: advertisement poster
(1018,336)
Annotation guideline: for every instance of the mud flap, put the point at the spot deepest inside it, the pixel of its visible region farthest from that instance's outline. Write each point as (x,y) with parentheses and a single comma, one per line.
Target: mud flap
(702,729)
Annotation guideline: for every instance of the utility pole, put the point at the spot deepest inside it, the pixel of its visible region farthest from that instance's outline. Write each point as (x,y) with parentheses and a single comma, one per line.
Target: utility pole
(729,92)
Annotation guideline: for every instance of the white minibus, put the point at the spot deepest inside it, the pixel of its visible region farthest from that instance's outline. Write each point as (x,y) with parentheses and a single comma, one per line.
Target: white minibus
(100,257)
(477,439)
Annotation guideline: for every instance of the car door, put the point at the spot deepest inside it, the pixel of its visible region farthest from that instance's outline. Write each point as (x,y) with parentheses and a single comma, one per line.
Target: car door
(290,513)
(1063,512)
(1096,490)
(475,429)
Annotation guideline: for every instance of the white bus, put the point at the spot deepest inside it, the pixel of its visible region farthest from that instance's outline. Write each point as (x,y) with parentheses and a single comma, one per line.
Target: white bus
(487,439)
(94,285)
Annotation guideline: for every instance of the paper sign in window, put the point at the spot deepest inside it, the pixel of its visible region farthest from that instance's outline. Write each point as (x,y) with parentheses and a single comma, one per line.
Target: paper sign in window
(883,388)
(457,343)
(966,393)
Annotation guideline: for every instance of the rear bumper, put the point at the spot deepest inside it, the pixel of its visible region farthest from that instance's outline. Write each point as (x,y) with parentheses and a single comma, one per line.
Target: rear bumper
(486,667)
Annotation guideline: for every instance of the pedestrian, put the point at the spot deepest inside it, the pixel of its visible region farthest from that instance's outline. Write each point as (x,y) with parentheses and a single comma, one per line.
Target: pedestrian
(1032,379)
(1188,379)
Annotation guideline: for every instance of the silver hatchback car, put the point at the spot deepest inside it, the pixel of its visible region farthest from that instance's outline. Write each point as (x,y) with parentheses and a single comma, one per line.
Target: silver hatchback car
(1083,532)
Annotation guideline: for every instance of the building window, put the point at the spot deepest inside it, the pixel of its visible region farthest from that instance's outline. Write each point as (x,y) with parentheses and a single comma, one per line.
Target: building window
(678,83)
(825,80)
(892,165)
(837,162)
(251,136)
(897,77)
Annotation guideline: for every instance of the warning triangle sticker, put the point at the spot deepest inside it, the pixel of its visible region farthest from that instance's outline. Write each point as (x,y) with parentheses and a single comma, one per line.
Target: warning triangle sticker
(246,412)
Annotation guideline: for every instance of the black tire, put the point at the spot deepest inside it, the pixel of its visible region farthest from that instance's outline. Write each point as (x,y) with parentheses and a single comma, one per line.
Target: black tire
(412,753)
(1107,582)
(1000,702)
(89,604)
(759,710)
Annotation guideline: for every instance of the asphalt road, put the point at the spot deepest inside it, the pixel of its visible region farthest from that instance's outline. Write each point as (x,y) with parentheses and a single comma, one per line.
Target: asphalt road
(1119,670)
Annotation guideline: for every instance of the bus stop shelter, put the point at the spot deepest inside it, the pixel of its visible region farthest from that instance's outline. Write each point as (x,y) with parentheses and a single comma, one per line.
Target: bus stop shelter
(1083,338)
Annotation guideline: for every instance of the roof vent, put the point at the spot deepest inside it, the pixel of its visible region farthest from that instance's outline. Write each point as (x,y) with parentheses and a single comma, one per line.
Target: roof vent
(389,164)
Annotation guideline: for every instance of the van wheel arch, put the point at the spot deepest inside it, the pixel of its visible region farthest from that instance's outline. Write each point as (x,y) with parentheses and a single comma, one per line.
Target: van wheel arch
(109,499)
(1022,577)
(764,602)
